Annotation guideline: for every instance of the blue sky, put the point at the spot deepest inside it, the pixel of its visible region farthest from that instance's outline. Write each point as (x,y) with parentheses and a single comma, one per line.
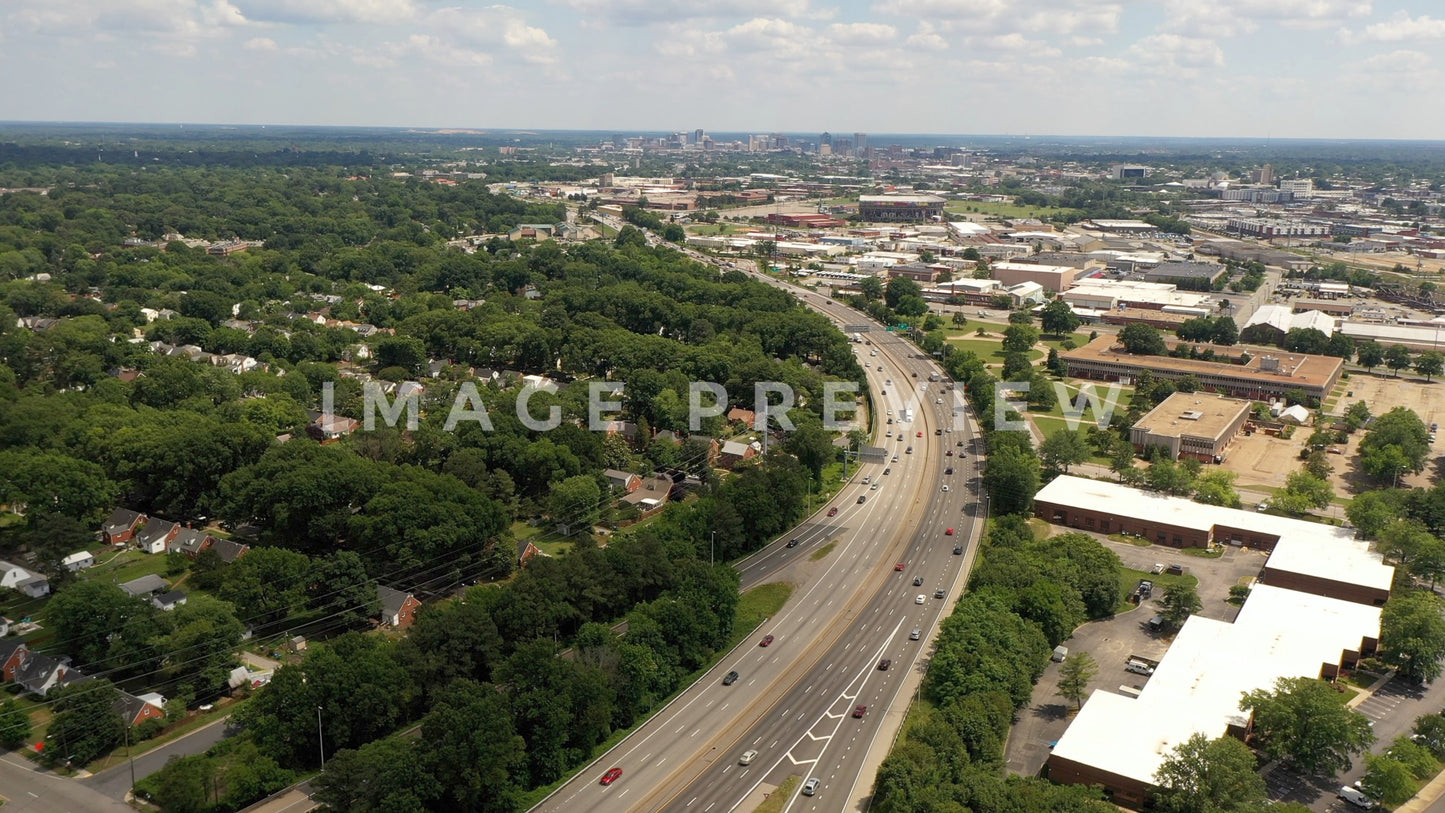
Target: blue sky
(1245,68)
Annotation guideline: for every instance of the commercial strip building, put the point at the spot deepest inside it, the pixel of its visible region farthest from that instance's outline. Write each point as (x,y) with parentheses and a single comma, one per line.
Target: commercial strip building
(1192,425)
(1268,374)
(1119,742)
(1315,613)
(1412,337)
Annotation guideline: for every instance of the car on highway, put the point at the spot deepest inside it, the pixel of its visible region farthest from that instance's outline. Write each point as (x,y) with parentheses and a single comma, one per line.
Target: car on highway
(948,470)
(888,471)
(730,678)
(915,634)
(920,598)
(957,550)
(949,453)
(920,434)
(917,581)
(748,757)
(945,486)
(833,512)
(874,487)
(909,450)
(898,568)
(859,711)
(948,532)
(867,480)
(793,543)
(894,460)
(862,498)
(611,776)
(767,639)
(884,664)
(939,593)
(811,786)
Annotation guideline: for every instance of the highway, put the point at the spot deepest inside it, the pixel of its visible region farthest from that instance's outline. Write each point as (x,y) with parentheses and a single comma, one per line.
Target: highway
(794,699)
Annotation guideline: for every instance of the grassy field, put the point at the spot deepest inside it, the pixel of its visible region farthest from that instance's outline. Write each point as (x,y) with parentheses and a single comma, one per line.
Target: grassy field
(547,540)
(778,798)
(1162,581)
(823,551)
(989,349)
(1007,210)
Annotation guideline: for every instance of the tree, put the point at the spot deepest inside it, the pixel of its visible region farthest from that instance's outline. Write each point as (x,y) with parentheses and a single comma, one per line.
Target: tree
(1430,364)
(1121,460)
(871,287)
(1142,340)
(1387,780)
(1012,479)
(266,585)
(1303,491)
(1057,318)
(1217,488)
(340,588)
(14,724)
(1369,354)
(1209,776)
(1074,675)
(1180,601)
(1412,634)
(1302,720)
(575,503)
(1019,338)
(898,288)
(1225,331)
(1397,358)
(85,725)
(405,352)
(384,775)
(1357,415)
(1063,449)
(1318,465)
(90,619)
(1396,443)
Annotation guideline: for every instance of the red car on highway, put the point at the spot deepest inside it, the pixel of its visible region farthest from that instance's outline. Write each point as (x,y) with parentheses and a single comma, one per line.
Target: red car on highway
(767,639)
(898,567)
(611,776)
(833,512)
(857,712)
(948,532)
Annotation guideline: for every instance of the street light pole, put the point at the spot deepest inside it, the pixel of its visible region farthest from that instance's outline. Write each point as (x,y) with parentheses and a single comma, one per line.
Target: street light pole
(712,550)
(320,738)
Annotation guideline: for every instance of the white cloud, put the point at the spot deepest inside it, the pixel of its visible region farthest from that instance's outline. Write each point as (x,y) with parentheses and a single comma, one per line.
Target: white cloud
(81,19)
(862,33)
(465,37)
(1227,18)
(1402,28)
(260,44)
(926,41)
(1001,16)
(1402,63)
(327,11)
(1178,52)
(652,12)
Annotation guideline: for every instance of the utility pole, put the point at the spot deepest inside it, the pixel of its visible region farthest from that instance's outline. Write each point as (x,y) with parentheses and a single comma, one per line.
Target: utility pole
(129,758)
(320,738)
(712,550)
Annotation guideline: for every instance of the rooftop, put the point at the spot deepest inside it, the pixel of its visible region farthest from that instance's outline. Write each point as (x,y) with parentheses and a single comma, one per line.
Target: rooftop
(1296,369)
(1196,414)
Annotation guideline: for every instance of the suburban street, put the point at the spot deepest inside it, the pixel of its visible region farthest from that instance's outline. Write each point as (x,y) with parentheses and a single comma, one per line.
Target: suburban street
(28,790)
(115,782)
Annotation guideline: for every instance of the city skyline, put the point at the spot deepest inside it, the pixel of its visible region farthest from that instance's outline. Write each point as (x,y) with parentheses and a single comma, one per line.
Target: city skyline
(1233,68)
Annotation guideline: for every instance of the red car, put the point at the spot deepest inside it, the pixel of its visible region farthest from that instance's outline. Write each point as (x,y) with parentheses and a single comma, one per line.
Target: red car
(948,532)
(833,512)
(920,434)
(767,639)
(898,567)
(858,711)
(611,776)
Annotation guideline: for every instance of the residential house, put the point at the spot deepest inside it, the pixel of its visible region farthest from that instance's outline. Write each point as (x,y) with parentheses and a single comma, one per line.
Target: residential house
(12,653)
(136,710)
(714,449)
(24,579)
(79,560)
(145,586)
(625,481)
(226,549)
(398,609)
(331,427)
(744,416)
(627,429)
(189,541)
(526,552)
(734,453)
(39,673)
(168,600)
(652,496)
(120,526)
(156,535)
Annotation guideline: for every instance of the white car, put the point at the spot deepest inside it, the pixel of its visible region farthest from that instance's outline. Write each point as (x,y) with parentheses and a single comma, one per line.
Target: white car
(945,486)
(921,599)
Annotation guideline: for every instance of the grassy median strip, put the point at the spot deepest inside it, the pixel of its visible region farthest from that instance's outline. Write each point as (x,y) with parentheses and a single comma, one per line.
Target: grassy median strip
(761,602)
(778,798)
(823,551)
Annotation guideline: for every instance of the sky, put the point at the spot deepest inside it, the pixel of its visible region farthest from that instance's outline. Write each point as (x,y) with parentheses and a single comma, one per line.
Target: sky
(1213,68)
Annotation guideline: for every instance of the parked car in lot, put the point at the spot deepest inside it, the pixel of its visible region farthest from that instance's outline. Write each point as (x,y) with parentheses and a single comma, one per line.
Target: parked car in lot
(1158,568)
(1138,667)
(1356,797)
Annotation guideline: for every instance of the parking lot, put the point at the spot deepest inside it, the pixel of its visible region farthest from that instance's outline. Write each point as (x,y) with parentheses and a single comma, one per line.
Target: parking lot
(1111,642)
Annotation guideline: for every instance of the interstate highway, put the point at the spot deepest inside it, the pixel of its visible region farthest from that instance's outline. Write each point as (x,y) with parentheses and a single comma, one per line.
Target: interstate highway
(680,756)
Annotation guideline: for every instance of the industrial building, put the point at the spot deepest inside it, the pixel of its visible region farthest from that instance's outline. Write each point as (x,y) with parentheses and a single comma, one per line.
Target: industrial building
(1103,294)
(1266,376)
(1194,425)
(1192,275)
(1272,322)
(1054,278)
(899,208)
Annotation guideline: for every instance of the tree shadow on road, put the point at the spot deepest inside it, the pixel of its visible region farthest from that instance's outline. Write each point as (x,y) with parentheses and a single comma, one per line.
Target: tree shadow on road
(1051,711)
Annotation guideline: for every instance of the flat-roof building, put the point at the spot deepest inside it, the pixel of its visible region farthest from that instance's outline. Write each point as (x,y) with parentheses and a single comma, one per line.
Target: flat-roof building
(1106,294)
(1053,278)
(899,208)
(1267,374)
(1193,275)
(1273,322)
(1192,425)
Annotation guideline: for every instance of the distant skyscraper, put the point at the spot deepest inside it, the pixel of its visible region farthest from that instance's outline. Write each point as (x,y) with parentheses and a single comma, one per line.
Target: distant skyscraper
(860,144)
(1264,175)
(825,140)
(697,136)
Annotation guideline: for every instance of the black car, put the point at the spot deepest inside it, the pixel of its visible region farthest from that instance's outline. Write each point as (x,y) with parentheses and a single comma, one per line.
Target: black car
(792,543)
(948,470)
(939,594)
(730,678)
(957,550)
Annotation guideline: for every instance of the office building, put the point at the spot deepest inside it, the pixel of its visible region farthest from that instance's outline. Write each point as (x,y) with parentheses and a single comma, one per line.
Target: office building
(1194,425)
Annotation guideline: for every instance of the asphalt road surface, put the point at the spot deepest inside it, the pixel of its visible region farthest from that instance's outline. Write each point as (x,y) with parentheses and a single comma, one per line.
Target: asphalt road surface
(27,790)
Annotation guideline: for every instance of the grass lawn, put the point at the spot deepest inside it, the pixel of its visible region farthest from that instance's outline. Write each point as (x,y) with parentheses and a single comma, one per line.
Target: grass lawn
(778,798)
(761,602)
(547,540)
(1007,210)
(823,551)
(1041,529)
(712,230)
(1079,339)
(125,566)
(989,349)
(1162,581)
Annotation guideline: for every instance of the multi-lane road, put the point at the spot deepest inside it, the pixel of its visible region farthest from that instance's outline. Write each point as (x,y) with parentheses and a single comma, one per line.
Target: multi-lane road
(795,699)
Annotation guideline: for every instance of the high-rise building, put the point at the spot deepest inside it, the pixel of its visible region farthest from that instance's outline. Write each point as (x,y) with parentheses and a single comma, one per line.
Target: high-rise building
(825,140)
(697,136)
(860,144)
(1264,174)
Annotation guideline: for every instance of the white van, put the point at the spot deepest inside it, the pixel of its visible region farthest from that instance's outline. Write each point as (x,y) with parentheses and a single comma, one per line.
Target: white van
(1060,652)
(1356,797)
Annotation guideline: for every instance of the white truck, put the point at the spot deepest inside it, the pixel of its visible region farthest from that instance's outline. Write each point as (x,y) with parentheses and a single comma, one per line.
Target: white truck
(907,414)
